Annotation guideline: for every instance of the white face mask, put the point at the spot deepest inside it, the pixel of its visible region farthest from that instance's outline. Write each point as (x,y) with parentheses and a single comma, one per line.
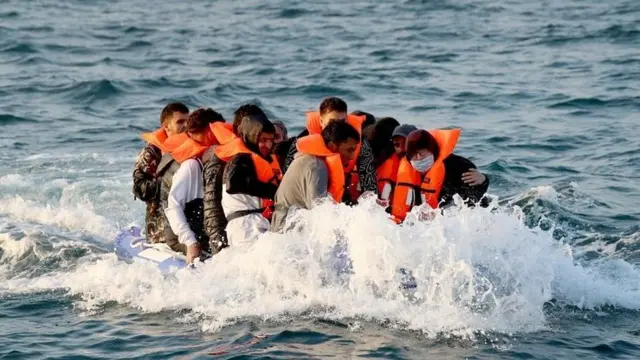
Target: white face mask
(423,165)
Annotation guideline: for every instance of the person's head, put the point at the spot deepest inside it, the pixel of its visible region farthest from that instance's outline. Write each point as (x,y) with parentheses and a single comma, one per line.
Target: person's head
(399,138)
(198,123)
(173,118)
(332,109)
(341,138)
(422,150)
(369,120)
(258,134)
(245,110)
(281,131)
(379,137)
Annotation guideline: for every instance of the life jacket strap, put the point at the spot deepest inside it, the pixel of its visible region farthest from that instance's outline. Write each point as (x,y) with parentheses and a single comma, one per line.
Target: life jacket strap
(241,213)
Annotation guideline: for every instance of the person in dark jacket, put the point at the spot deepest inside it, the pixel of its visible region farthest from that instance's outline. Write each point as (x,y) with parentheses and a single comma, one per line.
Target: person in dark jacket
(215,220)
(431,174)
(379,137)
(182,187)
(335,109)
(146,185)
(249,181)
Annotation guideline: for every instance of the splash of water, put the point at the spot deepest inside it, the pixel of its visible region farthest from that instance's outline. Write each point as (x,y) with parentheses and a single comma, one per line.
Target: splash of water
(476,270)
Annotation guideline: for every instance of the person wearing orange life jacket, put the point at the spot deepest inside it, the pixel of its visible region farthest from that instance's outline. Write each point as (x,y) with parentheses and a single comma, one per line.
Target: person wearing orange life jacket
(249,181)
(431,174)
(317,171)
(146,186)
(360,172)
(182,184)
(249,190)
(386,158)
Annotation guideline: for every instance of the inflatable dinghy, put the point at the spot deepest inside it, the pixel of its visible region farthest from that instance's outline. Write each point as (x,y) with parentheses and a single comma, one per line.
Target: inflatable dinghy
(130,245)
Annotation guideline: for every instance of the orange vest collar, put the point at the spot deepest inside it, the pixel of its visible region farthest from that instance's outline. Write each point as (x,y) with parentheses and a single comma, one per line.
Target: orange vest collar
(157,138)
(223,132)
(314,126)
(182,147)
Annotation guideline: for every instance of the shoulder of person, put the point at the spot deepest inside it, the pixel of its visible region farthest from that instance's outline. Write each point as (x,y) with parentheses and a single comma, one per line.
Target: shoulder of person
(459,162)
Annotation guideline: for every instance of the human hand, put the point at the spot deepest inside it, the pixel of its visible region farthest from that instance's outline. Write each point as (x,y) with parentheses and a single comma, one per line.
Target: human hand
(473,177)
(193,252)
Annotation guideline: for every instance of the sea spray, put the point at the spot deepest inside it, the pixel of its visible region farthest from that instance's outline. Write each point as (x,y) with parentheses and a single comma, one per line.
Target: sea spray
(476,269)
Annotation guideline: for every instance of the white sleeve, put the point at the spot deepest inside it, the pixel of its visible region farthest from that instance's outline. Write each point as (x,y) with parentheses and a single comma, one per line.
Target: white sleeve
(183,189)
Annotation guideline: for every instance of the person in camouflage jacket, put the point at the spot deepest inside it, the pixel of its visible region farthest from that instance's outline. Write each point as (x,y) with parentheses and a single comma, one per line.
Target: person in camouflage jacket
(146,184)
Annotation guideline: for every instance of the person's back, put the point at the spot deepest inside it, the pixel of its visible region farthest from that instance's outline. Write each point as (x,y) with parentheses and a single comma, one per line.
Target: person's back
(304,182)
(316,171)
(360,172)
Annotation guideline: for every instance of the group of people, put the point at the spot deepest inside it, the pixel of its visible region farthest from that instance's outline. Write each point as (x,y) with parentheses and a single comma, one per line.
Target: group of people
(210,184)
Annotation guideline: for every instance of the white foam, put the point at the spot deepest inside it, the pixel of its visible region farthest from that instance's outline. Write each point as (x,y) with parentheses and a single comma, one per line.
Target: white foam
(476,270)
(73,215)
(16,180)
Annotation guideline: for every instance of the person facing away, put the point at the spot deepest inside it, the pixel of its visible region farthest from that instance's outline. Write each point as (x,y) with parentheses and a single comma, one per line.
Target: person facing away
(316,171)
(217,177)
(360,173)
(249,181)
(146,186)
(182,184)
(431,174)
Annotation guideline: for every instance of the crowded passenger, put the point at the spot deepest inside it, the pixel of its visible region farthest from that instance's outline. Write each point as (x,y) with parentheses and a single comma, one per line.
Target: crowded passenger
(182,184)
(146,185)
(360,173)
(316,171)
(431,174)
(237,184)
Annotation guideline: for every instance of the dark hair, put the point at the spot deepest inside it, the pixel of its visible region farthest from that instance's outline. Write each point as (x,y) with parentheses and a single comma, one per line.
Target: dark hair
(379,137)
(171,109)
(421,139)
(369,119)
(200,119)
(280,125)
(331,104)
(243,111)
(338,132)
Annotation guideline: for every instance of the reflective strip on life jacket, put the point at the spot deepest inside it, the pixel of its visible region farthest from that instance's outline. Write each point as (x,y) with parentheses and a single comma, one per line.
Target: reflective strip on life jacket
(351,170)
(156,138)
(387,175)
(314,145)
(412,188)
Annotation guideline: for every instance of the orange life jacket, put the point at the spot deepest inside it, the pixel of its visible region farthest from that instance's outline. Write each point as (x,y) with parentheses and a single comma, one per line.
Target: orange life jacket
(223,132)
(411,185)
(314,145)
(314,126)
(264,169)
(387,174)
(182,147)
(157,138)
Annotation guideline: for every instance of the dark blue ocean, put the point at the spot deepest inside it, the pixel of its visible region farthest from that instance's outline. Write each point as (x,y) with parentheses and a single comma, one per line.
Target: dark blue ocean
(547,94)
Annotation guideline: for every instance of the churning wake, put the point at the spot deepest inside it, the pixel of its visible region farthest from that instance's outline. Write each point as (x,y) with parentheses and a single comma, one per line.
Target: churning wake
(476,270)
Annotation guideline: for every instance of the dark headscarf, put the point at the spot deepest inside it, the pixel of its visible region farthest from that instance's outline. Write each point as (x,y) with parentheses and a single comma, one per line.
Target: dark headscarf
(379,137)
(251,127)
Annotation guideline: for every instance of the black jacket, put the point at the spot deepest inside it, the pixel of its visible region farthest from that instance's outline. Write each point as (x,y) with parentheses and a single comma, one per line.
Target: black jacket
(239,176)
(455,166)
